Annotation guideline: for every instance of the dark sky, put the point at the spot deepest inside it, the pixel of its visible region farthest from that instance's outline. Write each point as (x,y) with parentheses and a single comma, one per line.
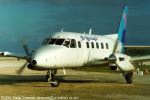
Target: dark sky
(34,20)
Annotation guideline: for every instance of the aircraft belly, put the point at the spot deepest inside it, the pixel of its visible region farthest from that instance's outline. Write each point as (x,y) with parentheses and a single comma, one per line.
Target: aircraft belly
(96,63)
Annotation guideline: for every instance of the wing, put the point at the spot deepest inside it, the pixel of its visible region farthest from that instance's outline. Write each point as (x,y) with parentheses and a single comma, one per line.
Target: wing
(137,50)
(140,59)
(136,47)
(8,54)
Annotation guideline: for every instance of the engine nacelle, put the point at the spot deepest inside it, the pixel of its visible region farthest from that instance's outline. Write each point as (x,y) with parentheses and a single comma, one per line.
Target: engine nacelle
(113,66)
(123,62)
(30,66)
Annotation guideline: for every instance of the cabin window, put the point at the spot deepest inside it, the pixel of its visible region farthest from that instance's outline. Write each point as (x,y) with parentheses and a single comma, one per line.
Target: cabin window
(107,47)
(87,44)
(59,41)
(67,43)
(92,44)
(102,45)
(73,43)
(97,45)
(79,44)
(52,41)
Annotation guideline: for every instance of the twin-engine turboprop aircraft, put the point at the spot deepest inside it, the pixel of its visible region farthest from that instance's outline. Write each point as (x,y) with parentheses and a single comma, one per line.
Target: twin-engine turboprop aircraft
(5,53)
(70,49)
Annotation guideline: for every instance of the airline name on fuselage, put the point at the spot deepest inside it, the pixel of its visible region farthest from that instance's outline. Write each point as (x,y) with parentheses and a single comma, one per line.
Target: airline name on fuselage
(88,38)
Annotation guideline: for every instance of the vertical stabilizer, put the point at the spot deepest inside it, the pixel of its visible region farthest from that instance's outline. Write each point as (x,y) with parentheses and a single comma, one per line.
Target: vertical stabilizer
(122,26)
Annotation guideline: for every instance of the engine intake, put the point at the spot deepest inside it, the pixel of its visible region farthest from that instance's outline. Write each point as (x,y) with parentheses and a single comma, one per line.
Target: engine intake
(30,66)
(113,66)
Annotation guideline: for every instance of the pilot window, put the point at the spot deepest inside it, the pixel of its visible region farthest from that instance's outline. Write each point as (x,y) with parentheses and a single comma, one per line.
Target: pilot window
(67,43)
(107,47)
(92,44)
(73,43)
(102,45)
(97,45)
(87,44)
(52,41)
(79,44)
(59,41)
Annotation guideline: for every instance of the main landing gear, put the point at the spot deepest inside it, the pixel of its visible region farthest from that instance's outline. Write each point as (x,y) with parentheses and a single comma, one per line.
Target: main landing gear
(129,77)
(51,78)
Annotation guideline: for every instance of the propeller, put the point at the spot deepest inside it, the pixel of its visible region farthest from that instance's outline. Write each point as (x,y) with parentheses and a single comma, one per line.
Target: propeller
(115,46)
(25,47)
(27,58)
(112,57)
(19,71)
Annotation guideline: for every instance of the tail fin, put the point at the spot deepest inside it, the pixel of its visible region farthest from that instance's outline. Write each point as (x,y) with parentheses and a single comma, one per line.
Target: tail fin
(122,26)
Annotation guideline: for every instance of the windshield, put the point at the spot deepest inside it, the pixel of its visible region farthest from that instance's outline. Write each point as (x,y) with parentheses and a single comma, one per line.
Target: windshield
(56,41)
(52,41)
(59,41)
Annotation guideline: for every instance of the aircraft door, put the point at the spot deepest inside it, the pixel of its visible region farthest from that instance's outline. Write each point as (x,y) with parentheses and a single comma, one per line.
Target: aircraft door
(86,52)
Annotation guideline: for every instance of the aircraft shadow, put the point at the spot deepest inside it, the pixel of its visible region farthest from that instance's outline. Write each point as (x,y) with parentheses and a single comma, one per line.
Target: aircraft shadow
(14,79)
(73,79)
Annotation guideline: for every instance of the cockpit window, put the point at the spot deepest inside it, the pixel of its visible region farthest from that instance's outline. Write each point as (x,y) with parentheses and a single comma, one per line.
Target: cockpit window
(59,41)
(52,41)
(73,43)
(55,41)
(70,43)
(67,43)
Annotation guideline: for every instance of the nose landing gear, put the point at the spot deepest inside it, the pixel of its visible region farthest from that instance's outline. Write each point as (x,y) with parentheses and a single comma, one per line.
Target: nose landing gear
(51,78)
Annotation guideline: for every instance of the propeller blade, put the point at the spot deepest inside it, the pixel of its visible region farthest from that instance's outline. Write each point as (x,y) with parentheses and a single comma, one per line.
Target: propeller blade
(115,46)
(25,47)
(112,58)
(19,71)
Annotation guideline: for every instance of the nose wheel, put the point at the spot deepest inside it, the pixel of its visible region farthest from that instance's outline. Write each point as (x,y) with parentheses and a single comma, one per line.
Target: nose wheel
(51,78)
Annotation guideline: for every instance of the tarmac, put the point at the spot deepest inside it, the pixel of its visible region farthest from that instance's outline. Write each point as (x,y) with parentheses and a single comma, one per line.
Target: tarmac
(75,85)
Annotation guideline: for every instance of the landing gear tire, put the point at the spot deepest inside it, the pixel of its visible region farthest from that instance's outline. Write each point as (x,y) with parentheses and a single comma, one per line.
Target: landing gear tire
(128,77)
(54,83)
(50,76)
(51,73)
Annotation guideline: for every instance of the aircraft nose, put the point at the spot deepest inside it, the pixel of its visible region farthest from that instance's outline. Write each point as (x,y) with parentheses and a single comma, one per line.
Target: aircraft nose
(40,58)
(34,62)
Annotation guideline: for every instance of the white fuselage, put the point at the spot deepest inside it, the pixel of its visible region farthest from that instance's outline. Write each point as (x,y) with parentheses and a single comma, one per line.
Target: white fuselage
(74,50)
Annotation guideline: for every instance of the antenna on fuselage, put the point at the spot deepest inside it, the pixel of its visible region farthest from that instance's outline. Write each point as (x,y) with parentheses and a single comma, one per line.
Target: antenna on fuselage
(62,30)
(90,31)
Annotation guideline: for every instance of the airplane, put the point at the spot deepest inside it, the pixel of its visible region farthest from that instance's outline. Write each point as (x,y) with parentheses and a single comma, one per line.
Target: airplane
(70,49)
(6,53)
